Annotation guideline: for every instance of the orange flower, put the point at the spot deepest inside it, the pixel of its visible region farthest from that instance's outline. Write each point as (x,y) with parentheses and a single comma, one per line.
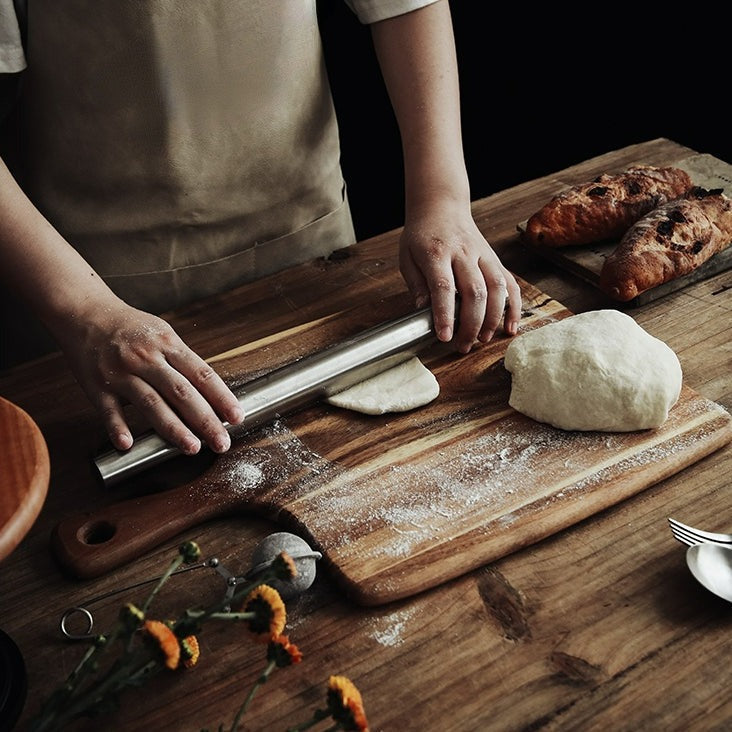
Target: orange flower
(284,566)
(282,652)
(166,641)
(268,610)
(345,704)
(189,651)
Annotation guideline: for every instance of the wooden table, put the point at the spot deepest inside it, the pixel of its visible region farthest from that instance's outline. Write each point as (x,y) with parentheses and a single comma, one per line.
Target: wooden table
(600,626)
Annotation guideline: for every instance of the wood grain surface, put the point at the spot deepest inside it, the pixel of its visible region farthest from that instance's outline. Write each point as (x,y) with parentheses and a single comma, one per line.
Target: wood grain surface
(400,503)
(25,471)
(599,626)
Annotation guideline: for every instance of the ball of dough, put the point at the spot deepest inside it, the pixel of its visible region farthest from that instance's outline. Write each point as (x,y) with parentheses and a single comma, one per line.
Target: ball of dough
(593,371)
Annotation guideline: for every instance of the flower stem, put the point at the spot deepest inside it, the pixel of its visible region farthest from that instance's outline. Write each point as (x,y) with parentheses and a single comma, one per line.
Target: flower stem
(171,568)
(261,680)
(249,615)
(219,610)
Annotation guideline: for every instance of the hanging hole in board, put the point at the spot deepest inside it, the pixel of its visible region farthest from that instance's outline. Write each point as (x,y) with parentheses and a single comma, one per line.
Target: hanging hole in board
(97,532)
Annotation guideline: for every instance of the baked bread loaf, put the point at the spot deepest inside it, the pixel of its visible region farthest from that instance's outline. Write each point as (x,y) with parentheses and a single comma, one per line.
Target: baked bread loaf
(606,207)
(670,241)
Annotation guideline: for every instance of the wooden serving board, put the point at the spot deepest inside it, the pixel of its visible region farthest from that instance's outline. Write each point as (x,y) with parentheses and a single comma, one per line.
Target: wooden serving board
(402,502)
(586,261)
(24,474)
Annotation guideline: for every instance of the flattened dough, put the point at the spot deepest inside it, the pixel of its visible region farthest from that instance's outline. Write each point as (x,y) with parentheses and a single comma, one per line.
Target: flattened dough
(593,371)
(401,388)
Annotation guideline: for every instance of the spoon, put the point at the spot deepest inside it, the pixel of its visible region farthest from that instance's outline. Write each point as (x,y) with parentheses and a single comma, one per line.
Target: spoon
(711,565)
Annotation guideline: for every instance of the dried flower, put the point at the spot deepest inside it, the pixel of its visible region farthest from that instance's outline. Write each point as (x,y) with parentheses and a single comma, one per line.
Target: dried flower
(284,567)
(93,688)
(282,652)
(345,704)
(189,651)
(189,551)
(166,641)
(268,615)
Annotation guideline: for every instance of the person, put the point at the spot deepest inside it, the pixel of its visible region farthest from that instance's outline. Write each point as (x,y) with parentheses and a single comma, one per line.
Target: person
(172,151)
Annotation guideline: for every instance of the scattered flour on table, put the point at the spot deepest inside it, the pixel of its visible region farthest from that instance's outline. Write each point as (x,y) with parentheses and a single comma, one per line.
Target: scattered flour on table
(388,629)
(300,608)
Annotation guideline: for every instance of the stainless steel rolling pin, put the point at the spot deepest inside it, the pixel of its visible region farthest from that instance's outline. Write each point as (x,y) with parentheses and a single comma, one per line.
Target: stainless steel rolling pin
(302,382)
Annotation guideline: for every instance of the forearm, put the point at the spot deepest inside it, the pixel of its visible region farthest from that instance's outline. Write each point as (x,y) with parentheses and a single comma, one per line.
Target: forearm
(417,57)
(45,271)
(119,354)
(442,251)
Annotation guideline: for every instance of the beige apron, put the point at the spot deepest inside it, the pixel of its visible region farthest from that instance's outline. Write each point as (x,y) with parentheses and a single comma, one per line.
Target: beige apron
(183,146)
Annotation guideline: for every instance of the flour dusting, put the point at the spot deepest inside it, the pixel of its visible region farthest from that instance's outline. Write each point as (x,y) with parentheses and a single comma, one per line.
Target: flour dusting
(388,629)
(457,477)
(263,467)
(482,484)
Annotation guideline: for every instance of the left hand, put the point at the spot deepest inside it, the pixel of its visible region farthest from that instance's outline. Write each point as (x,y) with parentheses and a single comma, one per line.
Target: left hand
(443,254)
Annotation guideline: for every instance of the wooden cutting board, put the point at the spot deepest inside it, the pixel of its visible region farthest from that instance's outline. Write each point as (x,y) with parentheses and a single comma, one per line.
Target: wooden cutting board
(402,502)
(24,474)
(586,261)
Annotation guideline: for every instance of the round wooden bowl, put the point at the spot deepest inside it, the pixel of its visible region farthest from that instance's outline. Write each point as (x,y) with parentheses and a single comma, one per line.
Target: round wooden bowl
(24,474)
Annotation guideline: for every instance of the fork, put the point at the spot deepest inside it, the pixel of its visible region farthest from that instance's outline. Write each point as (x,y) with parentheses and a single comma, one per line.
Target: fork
(689,535)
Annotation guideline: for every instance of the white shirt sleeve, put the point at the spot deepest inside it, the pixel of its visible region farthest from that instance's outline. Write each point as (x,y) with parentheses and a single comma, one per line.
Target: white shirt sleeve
(12,58)
(371,11)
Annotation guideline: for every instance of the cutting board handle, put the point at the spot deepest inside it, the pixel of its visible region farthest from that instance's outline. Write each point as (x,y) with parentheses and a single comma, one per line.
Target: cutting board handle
(93,543)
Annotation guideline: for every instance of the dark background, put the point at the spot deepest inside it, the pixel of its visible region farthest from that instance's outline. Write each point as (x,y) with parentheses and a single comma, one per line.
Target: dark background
(541,89)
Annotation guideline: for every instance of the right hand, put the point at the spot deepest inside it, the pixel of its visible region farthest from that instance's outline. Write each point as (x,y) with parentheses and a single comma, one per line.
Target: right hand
(118,354)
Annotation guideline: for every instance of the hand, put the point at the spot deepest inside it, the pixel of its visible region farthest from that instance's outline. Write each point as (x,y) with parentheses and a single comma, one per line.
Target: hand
(441,254)
(122,354)
(117,353)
